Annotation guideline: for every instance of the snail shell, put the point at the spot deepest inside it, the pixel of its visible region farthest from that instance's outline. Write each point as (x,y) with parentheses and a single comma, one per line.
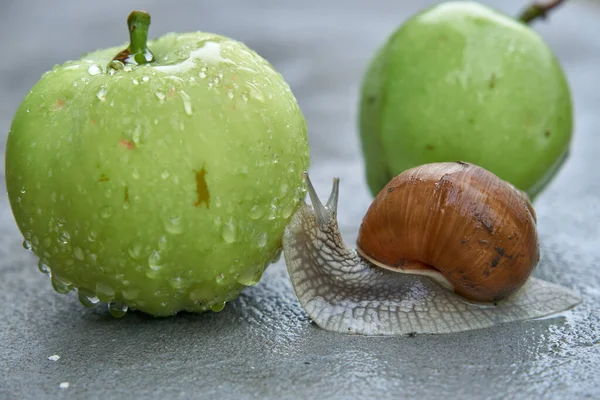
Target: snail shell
(456,222)
(345,292)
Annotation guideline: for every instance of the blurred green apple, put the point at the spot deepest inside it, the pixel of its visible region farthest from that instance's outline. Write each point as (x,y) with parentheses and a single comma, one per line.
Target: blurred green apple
(162,182)
(460,81)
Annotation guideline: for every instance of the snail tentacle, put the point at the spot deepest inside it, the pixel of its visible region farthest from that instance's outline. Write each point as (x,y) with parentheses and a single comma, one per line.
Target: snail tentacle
(344,293)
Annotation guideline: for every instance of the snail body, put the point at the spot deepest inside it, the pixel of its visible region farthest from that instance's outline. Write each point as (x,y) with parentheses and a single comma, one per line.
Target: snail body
(444,247)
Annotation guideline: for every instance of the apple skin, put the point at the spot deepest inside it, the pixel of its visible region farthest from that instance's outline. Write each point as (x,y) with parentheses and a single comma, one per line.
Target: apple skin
(461,81)
(164,186)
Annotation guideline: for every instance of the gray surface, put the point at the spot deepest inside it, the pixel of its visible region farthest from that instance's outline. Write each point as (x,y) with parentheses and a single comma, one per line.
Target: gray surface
(263,345)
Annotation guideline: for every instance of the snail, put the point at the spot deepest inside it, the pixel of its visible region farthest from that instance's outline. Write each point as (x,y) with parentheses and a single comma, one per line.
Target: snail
(444,247)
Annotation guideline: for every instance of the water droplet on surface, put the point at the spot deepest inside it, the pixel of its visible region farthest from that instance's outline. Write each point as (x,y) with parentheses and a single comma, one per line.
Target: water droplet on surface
(63,385)
(154,261)
(230,94)
(249,277)
(94,69)
(262,239)
(43,268)
(220,279)
(61,285)
(87,298)
(135,173)
(130,293)
(173,225)
(228,231)
(160,95)
(92,236)
(26,245)
(165,174)
(104,292)
(55,357)
(244,97)
(256,212)
(106,212)
(218,201)
(78,253)
(117,309)
(145,78)
(202,75)
(135,81)
(101,95)
(218,307)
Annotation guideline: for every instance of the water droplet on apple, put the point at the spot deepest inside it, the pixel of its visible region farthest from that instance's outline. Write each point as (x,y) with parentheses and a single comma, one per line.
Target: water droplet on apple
(117,309)
(43,268)
(151,274)
(61,285)
(101,95)
(64,237)
(272,212)
(276,256)
(135,250)
(262,239)
(130,293)
(78,253)
(230,94)
(114,66)
(135,81)
(165,174)
(173,225)
(26,245)
(105,292)
(218,307)
(256,212)
(154,261)
(249,278)
(177,282)
(287,211)
(94,69)
(244,97)
(160,95)
(87,298)
(220,279)
(106,212)
(202,74)
(228,231)
(283,189)
(163,243)
(187,103)
(135,173)
(92,236)
(218,201)
(93,258)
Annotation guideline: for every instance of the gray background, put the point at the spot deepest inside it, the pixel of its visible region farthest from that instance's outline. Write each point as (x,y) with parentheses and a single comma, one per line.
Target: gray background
(263,345)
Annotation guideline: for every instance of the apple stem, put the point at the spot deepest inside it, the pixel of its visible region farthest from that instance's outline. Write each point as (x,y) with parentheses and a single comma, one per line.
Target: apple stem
(137,53)
(538,10)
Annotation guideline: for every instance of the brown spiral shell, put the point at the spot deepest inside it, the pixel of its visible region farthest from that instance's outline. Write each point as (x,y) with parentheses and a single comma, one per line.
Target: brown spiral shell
(477,230)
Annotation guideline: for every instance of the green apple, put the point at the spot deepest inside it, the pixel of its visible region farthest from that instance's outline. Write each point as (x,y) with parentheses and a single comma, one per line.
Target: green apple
(160,180)
(461,81)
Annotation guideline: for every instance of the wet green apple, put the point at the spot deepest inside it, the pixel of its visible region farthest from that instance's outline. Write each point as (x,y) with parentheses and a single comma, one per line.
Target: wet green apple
(159,179)
(461,81)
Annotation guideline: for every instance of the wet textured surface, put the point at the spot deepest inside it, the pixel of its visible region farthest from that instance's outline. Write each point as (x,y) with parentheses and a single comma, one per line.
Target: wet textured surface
(263,344)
